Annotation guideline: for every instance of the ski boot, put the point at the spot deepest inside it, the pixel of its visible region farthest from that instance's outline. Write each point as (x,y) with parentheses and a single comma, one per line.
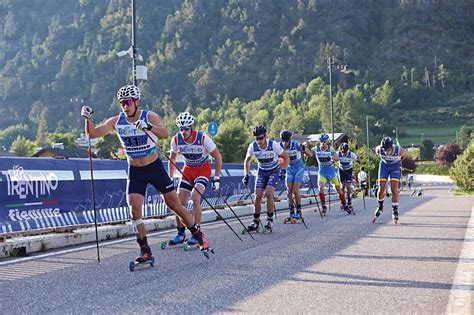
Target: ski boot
(253,227)
(189,243)
(177,240)
(350,209)
(343,207)
(145,256)
(378,211)
(324,209)
(268,226)
(395,215)
(202,243)
(291,216)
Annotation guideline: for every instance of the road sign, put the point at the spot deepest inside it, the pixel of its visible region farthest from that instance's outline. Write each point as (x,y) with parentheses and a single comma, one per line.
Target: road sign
(212,129)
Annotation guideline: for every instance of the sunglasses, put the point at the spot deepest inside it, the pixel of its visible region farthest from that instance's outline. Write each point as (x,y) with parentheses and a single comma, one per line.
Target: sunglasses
(259,138)
(126,102)
(184,128)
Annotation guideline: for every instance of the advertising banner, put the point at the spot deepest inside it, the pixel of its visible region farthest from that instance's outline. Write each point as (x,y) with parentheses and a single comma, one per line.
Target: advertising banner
(45,193)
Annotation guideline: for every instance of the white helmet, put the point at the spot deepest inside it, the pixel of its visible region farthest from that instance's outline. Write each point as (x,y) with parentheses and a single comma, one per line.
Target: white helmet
(128,91)
(184,119)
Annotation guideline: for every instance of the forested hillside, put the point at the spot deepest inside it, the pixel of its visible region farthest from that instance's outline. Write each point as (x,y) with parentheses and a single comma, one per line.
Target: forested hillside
(238,61)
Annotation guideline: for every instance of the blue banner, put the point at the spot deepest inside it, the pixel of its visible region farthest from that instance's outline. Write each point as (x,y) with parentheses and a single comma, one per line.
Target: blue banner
(37,193)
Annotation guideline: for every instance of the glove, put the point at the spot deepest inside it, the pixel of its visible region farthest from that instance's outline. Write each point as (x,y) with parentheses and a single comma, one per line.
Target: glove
(215,183)
(282,174)
(86,112)
(245,180)
(142,125)
(303,148)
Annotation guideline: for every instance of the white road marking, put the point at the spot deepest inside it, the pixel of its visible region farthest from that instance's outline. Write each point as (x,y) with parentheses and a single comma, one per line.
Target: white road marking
(462,291)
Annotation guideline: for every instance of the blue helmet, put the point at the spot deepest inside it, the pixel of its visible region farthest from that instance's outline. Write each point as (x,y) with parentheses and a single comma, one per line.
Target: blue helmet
(344,147)
(285,135)
(386,143)
(323,137)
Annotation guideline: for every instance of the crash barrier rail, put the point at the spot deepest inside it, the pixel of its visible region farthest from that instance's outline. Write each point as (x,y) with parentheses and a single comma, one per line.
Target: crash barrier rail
(47,193)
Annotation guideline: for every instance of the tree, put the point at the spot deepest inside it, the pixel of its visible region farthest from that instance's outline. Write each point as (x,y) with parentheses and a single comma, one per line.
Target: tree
(9,134)
(42,132)
(108,146)
(463,169)
(23,147)
(67,139)
(232,141)
(427,150)
(447,154)
(464,135)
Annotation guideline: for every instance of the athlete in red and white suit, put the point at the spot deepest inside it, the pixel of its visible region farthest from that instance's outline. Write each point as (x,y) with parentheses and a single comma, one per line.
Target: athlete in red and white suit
(195,147)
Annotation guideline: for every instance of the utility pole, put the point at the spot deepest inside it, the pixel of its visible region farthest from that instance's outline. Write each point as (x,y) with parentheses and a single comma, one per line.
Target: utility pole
(134,46)
(330,101)
(368,151)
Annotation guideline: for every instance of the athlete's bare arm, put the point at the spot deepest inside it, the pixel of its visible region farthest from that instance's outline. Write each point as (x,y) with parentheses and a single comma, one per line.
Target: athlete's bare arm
(217,162)
(247,164)
(286,159)
(172,163)
(101,130)
(159,128)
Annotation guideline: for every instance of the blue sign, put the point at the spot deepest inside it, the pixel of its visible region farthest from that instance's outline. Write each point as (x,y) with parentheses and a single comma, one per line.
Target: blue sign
(212,129)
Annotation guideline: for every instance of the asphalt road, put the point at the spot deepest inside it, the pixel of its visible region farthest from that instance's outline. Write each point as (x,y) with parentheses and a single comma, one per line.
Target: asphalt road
(343,264)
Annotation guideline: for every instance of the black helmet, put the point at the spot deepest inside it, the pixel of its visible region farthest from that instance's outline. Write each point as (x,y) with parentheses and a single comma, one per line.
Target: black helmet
(259,130)
(344,147)
(386,143)
(285,135)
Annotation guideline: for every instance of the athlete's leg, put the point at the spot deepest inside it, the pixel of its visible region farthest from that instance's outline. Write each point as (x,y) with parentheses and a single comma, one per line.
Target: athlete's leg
(135,202)
(337,185)
(290,189)
(196,198)
(297,193)
(258,200)
(183,196)
(269,193)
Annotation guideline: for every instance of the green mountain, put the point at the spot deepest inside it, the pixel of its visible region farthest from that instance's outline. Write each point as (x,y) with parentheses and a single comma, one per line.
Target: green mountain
(56,56)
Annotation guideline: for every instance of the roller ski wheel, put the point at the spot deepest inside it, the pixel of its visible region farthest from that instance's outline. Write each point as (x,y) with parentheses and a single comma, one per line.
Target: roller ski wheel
(165,244)
(206,252)
(134,263)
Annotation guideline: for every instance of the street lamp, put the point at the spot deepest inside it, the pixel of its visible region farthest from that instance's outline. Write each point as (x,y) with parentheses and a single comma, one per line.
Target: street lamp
(138,72)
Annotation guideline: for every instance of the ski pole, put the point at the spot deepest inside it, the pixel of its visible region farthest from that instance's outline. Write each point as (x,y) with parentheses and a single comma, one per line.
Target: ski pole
(314,192)
(93,191)
(227,204)
(202,196)
(363,198)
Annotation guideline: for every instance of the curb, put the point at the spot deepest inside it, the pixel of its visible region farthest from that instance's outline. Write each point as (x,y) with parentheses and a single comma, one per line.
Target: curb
(25,245)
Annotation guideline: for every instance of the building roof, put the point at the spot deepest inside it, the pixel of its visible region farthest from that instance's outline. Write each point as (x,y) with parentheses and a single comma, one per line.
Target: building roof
(62,153)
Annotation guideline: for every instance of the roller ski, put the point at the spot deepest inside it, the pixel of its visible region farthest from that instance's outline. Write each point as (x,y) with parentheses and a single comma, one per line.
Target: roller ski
(201,243)
(395,215)
(188,244)
(268,228)
(378,211)
(291,216)
(179,239)
(145,257)
(254,227)
(348,208)
(324,210)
